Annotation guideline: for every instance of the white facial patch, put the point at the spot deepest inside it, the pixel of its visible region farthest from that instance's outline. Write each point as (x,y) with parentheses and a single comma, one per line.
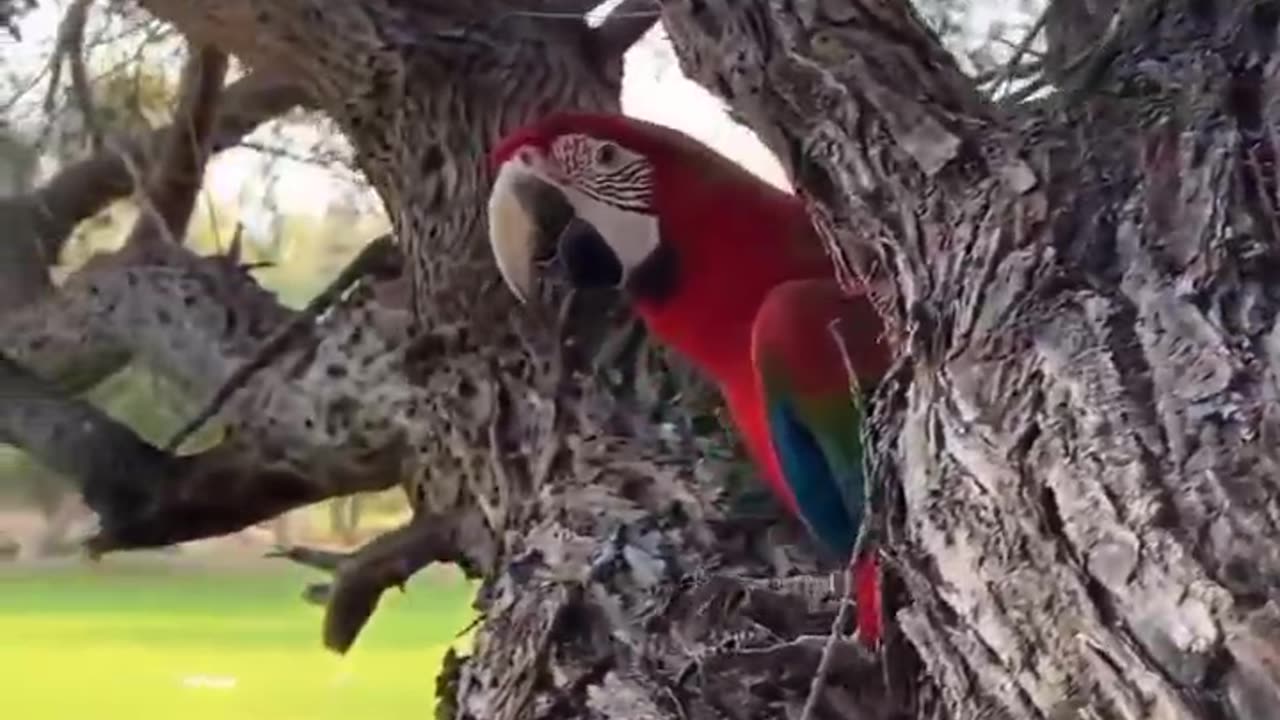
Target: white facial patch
(633,236)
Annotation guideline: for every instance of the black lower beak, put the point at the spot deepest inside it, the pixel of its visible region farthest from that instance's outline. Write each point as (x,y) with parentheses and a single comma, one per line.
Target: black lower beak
(589,260)
(550,212)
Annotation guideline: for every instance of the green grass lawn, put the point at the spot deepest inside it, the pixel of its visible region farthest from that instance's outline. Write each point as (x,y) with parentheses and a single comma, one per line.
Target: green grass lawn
(137,637)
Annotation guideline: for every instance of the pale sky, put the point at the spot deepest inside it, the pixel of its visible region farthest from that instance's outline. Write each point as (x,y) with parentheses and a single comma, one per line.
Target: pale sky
(653,89)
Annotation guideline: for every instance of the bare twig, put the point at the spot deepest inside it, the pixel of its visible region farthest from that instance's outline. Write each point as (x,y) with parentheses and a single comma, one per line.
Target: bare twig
(828,657)
(150,232)
(855,388)
(379,258)
(1021,71)
(314,558)
(573,9)
(1011,67)
(859,399)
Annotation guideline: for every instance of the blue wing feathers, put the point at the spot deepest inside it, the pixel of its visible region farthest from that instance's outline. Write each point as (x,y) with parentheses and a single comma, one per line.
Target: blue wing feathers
(813,481)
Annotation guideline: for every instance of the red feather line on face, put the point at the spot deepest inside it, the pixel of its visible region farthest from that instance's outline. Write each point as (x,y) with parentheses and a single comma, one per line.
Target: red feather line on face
(650,139)
(531,136)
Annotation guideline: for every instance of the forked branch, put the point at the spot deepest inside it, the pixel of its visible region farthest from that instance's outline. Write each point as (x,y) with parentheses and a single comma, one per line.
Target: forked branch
(169,194)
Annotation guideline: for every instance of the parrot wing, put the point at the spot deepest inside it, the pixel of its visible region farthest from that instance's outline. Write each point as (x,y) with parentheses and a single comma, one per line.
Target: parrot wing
(814,413)
(814,420)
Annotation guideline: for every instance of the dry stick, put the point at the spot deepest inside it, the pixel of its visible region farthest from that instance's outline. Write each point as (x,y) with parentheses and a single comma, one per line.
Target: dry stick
(73,27)
(69,50)
(1011,67)
(146,208)
(828,656)
(76,15)
(378,257)
(842,617)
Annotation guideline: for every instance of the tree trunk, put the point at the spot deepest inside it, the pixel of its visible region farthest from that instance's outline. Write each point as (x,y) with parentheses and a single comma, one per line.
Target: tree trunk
(1077,453)
(1075,487)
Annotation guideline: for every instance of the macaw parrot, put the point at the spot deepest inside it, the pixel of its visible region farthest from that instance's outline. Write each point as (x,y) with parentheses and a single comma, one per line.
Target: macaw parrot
(729,271)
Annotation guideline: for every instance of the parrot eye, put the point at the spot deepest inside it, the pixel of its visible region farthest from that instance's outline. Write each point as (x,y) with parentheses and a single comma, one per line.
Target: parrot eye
(606,154)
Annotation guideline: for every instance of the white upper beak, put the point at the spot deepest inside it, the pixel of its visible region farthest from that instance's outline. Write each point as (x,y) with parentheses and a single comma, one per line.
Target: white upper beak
(513,232)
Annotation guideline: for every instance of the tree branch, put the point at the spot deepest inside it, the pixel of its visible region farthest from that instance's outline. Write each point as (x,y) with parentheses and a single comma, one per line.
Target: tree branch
(295,38)
(114,467)
(174,181)
(10,11)
(70,51)
(1072,27)
(39,223)
(625,25)
(81,190)
(143,496)
(285,446)
(380,259)
(387,561)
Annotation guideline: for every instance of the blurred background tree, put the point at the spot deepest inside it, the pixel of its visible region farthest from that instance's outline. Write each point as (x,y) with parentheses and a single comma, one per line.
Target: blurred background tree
(131,67)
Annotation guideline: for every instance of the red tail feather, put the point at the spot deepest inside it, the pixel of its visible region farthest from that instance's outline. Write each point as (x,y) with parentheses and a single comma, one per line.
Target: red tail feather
(866,593)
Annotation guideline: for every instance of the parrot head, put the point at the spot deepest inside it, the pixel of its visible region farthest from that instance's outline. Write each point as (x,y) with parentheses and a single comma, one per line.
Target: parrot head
(587,189)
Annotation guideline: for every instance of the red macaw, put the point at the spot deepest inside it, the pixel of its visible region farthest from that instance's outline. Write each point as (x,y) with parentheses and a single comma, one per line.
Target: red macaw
(726,269)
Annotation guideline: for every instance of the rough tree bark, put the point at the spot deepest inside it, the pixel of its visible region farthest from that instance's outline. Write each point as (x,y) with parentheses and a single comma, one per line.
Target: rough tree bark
(1079,447)
(1073,458)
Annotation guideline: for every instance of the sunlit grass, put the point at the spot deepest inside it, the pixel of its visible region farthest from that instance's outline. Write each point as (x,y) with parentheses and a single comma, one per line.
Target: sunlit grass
(137,638)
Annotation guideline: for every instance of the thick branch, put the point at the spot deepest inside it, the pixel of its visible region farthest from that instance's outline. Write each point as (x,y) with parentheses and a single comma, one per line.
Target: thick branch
(379,259)
(143,496)
(287,444)
(80,441)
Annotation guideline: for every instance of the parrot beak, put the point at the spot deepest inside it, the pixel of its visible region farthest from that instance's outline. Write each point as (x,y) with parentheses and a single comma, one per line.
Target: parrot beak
(526,217)
(532,221)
